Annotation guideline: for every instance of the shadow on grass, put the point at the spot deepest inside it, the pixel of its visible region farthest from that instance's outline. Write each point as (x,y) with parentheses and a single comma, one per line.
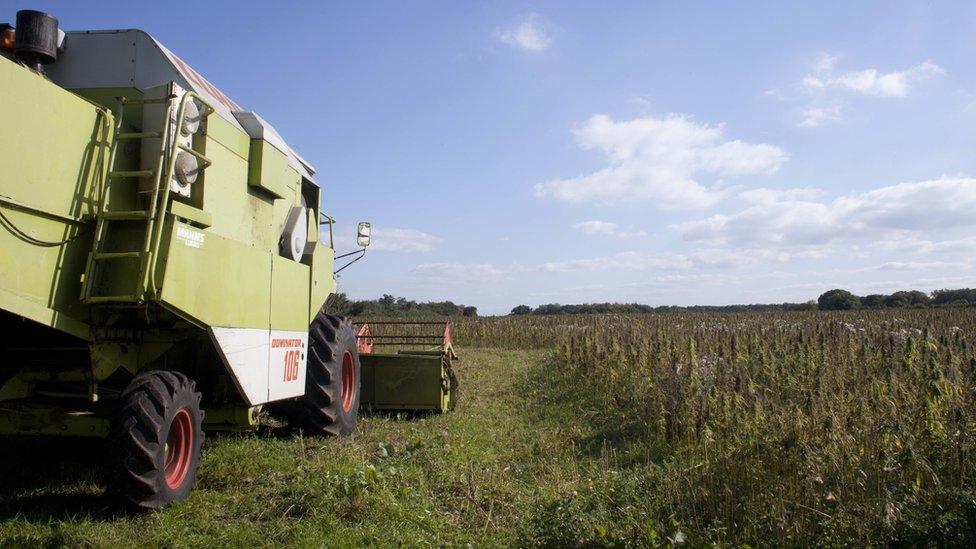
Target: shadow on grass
(51,479)
(48,479)
(277,426)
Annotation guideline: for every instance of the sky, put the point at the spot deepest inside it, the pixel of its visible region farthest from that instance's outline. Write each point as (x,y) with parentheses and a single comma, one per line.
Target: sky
(685,153)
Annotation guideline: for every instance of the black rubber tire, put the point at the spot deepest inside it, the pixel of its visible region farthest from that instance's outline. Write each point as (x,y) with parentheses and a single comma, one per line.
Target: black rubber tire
(138,440)
(330,338)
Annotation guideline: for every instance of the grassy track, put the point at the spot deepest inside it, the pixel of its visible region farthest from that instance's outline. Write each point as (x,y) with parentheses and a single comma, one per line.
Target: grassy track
(488,474)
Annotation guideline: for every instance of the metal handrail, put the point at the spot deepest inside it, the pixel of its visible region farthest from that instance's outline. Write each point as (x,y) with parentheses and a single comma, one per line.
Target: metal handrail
(326,219)
(160,209)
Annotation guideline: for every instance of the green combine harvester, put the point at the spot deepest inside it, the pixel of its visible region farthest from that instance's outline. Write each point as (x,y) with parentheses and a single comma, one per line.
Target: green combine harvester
(163,252)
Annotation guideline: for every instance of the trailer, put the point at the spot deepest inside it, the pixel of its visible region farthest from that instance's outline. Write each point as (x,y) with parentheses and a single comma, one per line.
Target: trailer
(165,262)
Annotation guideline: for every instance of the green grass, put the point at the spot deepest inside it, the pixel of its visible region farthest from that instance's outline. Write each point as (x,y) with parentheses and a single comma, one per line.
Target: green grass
(805,429)
(503,469)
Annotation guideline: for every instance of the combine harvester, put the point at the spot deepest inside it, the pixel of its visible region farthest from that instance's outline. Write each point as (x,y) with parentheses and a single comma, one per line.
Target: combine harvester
(164,254)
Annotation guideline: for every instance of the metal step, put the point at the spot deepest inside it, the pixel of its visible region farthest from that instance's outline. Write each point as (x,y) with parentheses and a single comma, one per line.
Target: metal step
(111,298)
(135,173)
(164,99)
(138,135)
(117,255)
(126,215)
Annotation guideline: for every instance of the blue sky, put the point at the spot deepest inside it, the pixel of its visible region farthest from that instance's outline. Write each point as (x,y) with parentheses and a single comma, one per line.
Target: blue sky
(665,153)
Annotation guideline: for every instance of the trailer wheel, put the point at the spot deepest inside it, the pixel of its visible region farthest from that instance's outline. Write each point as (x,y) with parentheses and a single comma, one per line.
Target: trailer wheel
(331,401)
(154,440)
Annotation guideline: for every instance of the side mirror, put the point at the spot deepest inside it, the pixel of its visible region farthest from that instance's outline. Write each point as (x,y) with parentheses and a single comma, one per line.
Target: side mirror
(362,234)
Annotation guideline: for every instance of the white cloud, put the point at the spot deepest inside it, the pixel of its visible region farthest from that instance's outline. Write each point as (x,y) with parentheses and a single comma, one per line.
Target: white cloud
(529,34)
(919,265)
(914,244)
(824,88)
(596,227)
(462,273)
(605,228)
(825,63)
(658,159)
(629,261)
(815,116)
(763,195)
(870,81)
(785,220)
(392,239)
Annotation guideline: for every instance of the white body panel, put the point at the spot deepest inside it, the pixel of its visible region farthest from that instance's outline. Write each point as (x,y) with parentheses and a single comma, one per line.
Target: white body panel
(286,368)
(266,365)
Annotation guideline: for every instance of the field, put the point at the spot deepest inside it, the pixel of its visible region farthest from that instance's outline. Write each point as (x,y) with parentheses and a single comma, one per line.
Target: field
(654,430)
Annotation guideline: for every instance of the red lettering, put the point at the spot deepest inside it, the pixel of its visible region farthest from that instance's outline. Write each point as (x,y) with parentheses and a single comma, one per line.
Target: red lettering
(292,363)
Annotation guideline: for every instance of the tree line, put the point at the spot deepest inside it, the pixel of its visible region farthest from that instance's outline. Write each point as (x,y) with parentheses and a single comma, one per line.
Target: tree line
(391,306)
(638,308)
(832,300)
(844,300)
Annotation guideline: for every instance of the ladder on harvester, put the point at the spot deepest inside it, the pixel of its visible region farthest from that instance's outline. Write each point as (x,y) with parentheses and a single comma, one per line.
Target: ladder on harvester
(152,217)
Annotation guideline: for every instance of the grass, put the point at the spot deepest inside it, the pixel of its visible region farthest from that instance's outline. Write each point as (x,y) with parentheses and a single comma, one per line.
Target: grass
(491,473)
(730,430)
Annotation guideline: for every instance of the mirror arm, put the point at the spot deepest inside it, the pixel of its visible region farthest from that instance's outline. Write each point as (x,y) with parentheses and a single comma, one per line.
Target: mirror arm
(362,253)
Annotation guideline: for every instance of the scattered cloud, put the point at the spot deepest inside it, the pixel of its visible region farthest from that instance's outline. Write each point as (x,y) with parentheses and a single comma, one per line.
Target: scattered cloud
(816,116)
(528,34)
(869,81)
(628,261)
(462,272)
(825,63)
(920,265)
(605,228)
(787,219)
(640,101)
(910,243)
(825,90)
(763,195)
(658,159)
(392,239)
(596,227)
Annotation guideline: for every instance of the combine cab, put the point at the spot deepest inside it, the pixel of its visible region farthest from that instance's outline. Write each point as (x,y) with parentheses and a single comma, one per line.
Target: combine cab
(164,253)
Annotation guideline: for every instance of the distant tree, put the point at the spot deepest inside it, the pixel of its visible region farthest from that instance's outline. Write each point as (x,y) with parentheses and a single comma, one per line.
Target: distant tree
(397,307)
(838,300)
(898,299)
(338,304)
(521,310)
(919,299)
(873,301)
(913,298)
(960,297)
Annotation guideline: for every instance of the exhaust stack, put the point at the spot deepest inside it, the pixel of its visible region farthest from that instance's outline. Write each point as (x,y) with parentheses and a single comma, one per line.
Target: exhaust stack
(36,39)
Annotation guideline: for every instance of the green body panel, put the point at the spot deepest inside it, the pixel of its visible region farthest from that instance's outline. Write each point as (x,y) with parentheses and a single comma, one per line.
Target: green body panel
(407,381)
(236,213)
(323,281)
(229,137)
(267,163)
(53,151)
(214,280)
(192,215)
(289,293)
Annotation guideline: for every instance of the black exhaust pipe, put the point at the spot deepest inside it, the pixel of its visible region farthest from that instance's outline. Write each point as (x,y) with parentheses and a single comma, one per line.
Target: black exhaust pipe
(36,39)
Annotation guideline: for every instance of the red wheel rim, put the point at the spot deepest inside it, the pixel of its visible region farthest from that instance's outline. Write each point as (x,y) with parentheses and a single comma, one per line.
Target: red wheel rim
(179,447)
(348,381)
